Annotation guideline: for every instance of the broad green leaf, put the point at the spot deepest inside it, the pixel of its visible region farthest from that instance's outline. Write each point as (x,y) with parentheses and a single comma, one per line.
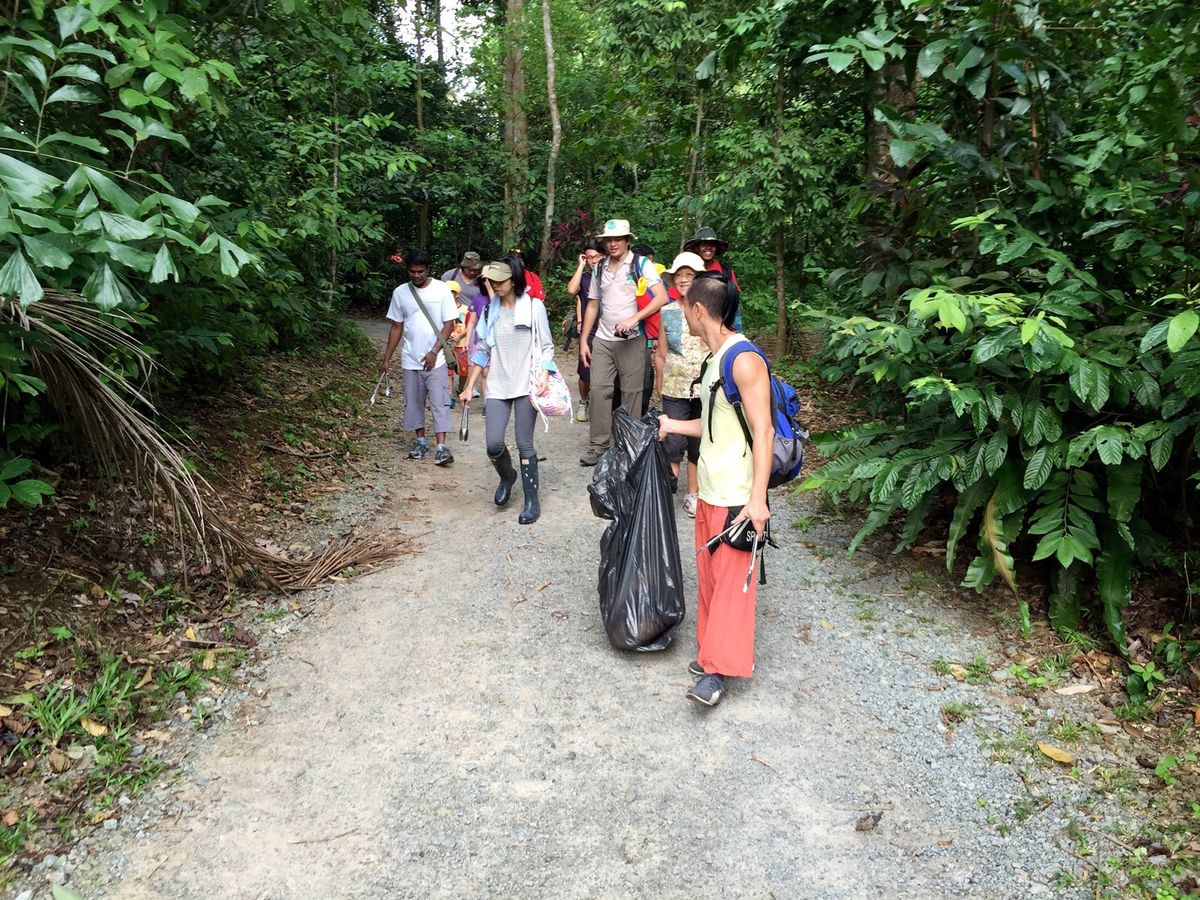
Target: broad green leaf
(1114,584)
(902,152)
(61,137)
(124,228)
(1155,335)
(89,50)
(968,502)
(18,280)
(1110,445)
(35,66)
(20,177)
(1041,464)
(194,83)
(45,253)
(875,59)
(1065,589)
(707,67)
(14,468)
(71,18)
(17,80)
(1181,329)
(133,98)
(104,288)
(164,266)
(30,491)
(839,62)
(11,134)
(153,82)
(72,93)
(110,191)
(1124,489)
(79,72)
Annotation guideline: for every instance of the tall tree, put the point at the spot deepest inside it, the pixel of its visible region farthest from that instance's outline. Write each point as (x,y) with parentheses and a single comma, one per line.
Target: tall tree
(544,252)
(516,125)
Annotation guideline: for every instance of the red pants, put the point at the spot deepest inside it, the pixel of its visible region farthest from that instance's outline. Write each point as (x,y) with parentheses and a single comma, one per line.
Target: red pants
(724,615)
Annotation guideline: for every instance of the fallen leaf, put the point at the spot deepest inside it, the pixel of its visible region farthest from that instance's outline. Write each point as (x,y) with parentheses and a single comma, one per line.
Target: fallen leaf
(806,636)
(59,761)
(210,660)
(945,842)
(959,672)
(190,634)
(92,727)
(146,679)
(5,712)
(1072,689)
(868,822)
(1056,754)
(11,818)
(828,626)
(1196,715)
(101,816)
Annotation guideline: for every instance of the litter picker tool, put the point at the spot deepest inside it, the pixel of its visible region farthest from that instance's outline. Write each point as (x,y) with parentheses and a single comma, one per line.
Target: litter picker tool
(386,381)
(463,431)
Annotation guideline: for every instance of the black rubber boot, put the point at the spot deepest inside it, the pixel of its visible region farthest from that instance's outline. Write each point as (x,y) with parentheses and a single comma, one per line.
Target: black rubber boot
(529,481)
(508,476)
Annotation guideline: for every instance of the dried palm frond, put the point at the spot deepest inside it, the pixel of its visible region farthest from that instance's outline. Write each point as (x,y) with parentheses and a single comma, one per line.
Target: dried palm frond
(70,341)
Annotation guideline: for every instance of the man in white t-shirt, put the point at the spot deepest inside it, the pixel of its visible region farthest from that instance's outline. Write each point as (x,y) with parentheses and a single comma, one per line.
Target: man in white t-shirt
(620,346)
(422,357)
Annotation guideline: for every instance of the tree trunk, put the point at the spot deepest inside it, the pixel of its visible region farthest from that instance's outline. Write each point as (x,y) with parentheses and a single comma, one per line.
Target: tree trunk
(692,167)
(884,181)
(781,318)
(423,204)
(435,9)
(555,138)
(516,127)
(337,162)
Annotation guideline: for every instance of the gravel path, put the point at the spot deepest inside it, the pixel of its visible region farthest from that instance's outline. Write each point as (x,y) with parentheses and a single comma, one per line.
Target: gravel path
(458,725)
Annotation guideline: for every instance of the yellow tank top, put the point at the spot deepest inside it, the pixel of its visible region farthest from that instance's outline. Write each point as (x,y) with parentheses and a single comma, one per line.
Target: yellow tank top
(726,470)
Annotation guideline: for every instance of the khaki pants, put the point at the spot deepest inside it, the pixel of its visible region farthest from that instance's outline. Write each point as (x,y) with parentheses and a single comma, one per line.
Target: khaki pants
(610,359)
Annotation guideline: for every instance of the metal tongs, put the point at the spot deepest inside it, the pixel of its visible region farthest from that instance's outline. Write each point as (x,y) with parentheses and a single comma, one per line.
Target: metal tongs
(386,380)
(463,431)
(712,542)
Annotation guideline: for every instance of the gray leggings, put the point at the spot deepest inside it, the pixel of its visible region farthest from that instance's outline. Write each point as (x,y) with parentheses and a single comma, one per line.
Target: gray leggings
(497,425)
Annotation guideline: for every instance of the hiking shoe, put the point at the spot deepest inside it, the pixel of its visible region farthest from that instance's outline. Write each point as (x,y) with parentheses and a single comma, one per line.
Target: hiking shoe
(420,449)
(695,669)
(474,393)
(591,456)
(442,456)
(708,690)
(689,504)
(581,414)
(453,401)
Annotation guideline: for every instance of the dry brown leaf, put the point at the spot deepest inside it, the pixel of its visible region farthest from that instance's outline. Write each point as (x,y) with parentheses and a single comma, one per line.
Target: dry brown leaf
(11,818)
(5,711)
(1061,756)
(92,727)
(1196,715)
(190,634)
(210,660)
(828,626)
(59,761)
(102,815)
(945,842)
(146,679)
(959,672)
(1072,689)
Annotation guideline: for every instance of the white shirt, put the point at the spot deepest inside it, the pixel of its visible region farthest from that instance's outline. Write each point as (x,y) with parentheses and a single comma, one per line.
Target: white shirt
(621,290)
(419,337)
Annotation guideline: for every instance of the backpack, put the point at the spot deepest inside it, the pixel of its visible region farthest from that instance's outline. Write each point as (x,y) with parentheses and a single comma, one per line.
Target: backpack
(787,454)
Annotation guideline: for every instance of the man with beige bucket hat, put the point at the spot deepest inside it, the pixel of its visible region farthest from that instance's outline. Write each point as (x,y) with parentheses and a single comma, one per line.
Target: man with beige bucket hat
(620,347)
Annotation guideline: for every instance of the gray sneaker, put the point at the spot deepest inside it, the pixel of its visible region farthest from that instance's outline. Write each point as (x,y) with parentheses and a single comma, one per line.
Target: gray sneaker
(695,669)
(591,456)
(420,449)
(708,690)
(442,456)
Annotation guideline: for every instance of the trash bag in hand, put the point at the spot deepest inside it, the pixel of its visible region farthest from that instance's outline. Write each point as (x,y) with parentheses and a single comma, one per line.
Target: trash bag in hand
(641,576)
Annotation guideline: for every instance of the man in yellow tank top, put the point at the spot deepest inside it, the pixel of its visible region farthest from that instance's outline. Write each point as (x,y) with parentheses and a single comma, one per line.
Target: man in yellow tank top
(733,486)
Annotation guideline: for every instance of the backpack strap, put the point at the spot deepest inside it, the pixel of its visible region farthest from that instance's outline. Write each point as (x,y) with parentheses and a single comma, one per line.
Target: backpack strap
(732,394)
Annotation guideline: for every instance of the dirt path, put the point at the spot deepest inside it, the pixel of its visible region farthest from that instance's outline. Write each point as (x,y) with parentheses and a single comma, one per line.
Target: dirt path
(458,725)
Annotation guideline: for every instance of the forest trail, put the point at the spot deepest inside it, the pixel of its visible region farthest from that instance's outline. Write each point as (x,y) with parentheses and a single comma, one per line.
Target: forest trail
(457,725)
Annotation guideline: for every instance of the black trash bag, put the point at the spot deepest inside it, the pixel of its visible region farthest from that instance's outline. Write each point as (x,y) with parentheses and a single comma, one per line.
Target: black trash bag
(641,576)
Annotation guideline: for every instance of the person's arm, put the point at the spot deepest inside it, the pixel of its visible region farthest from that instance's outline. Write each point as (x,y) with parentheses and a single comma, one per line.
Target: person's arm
(430,359)
(589,319)
(547,341)
(470,327)
(465,395)
(754,384)
(576,281)
(693,428)
(394,336)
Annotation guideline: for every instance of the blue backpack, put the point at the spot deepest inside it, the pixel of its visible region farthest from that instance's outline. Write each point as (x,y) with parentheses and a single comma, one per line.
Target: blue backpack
(787,455)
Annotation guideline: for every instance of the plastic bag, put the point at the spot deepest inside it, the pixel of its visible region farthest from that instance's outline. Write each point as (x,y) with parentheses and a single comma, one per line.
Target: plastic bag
(641,575)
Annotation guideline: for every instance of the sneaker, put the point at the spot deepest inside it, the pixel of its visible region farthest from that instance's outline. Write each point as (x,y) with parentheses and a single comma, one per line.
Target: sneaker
(707,690)
(591,456)
(420,449)
(695,669)
(474,393)
(442,456)
(581,414)
(453,401)
(689,504)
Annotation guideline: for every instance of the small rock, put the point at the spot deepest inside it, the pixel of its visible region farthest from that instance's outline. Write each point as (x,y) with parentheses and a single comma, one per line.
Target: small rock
(1002,675)
(111,824)
(57,877)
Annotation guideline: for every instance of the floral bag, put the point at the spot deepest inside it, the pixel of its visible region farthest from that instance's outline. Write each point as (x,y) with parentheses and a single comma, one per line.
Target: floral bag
(557,399)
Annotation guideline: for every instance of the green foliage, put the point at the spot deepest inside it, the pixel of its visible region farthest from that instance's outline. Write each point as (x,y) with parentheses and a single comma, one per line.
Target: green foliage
(1031,337)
